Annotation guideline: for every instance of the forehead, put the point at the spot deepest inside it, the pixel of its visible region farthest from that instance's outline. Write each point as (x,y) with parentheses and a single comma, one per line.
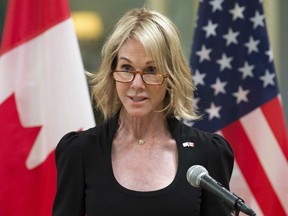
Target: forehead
(133,50)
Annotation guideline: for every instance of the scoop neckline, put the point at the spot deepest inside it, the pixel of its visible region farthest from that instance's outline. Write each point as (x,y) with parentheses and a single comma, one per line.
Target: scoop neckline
(151,193)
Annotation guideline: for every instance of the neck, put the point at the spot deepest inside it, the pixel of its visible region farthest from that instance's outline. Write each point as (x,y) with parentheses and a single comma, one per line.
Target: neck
(142,128)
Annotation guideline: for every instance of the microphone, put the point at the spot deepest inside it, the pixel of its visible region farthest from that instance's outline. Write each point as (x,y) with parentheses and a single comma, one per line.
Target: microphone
(198,176)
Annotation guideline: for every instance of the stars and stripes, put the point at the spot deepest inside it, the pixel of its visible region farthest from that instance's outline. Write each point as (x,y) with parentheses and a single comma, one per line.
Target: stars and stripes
(236,90)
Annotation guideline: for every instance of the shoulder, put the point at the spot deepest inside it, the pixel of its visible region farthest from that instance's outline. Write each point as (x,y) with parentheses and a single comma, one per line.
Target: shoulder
(219,156)
(214,142)
(188,133)
(72,148)
(217,146)
(69,142)
(76,141)
(72,140)
(209,149)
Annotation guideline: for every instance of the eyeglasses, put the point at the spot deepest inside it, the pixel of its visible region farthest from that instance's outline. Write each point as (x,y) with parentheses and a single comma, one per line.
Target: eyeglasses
(147,78)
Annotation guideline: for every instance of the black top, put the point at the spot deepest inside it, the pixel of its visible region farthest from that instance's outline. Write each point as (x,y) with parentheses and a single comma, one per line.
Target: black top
(86,183)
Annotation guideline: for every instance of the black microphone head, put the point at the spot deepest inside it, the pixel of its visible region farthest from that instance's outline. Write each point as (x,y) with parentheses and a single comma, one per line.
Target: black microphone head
(194,175)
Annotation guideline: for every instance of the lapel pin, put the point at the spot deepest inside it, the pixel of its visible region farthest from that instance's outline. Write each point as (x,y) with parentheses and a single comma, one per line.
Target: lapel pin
(188,144)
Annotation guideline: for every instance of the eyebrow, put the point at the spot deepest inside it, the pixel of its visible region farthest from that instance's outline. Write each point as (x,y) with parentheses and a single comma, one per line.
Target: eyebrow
(126,59)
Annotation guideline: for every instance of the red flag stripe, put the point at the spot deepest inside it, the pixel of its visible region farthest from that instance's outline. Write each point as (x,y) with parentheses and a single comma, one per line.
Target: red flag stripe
(268,151)
(249,163)
(23,22)
(273,112)
(239,186)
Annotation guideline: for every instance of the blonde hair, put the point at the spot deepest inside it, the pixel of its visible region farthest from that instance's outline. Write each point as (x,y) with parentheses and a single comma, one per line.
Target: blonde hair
(161,40)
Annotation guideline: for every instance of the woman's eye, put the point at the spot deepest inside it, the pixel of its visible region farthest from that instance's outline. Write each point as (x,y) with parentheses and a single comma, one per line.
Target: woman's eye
(126,68)
(151,69)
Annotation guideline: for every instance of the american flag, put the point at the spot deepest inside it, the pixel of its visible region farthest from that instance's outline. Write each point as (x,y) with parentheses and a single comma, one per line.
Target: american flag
(237,92)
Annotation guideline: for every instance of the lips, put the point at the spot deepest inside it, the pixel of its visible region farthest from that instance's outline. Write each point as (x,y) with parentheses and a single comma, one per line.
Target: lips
(137,99)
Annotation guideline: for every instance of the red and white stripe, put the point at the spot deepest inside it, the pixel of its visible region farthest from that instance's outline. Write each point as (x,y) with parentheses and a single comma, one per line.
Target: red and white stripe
(259,141)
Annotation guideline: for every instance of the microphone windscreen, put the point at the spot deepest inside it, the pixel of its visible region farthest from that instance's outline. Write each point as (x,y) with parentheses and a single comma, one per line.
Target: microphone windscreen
(194,174)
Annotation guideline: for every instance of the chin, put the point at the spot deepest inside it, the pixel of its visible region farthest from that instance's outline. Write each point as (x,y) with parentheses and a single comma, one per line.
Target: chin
(138,113)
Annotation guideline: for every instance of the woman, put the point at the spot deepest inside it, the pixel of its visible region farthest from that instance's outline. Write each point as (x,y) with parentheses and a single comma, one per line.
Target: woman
(135,162)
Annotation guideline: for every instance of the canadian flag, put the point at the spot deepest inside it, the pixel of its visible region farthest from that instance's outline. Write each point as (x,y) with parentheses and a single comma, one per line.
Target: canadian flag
(43,95)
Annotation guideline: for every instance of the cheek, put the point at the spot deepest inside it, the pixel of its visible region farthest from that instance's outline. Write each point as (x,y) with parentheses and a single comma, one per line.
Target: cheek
(121,88)
(160,93)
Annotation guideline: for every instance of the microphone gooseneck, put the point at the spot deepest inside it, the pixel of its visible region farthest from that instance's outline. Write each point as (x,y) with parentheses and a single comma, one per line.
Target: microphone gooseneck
(198,176)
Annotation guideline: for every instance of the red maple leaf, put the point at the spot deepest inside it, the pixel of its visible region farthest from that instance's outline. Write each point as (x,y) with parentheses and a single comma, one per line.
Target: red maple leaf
(22,191)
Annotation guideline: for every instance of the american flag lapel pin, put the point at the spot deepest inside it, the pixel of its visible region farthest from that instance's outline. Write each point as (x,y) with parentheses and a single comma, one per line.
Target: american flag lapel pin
(188,144)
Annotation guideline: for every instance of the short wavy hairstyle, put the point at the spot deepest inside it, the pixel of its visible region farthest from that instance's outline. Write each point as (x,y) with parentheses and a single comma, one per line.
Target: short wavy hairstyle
(161,41)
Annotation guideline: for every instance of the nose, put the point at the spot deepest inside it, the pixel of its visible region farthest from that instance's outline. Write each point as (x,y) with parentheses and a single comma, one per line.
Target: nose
(137,82)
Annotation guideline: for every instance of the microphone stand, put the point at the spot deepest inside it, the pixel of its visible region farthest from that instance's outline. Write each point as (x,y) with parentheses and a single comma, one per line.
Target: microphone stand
(238,206)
